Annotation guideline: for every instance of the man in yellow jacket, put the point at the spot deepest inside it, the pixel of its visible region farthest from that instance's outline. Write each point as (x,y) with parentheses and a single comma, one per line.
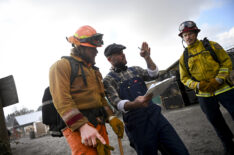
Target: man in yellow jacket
(207,73)
(82,104)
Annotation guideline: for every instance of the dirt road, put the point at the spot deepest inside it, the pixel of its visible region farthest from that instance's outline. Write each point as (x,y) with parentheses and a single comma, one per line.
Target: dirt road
(190,123)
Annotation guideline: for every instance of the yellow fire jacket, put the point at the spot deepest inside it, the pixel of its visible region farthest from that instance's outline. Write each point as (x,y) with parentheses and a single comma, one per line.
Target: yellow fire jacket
(69,100)
(202,66)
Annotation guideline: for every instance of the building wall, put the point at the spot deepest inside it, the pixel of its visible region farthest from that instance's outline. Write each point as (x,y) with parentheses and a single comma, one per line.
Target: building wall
(40,129)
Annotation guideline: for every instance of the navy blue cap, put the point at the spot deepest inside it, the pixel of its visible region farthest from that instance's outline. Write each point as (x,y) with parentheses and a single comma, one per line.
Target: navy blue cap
(113,48)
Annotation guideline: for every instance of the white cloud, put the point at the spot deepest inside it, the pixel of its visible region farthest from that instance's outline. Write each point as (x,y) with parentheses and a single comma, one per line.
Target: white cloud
(217,33)
(226,39)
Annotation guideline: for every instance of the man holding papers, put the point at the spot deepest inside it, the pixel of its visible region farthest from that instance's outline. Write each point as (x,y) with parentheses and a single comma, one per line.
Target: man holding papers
(147,129)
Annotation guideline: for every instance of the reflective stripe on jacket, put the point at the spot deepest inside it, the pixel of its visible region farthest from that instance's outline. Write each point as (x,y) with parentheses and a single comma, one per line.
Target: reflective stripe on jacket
(69,100)
(202,66)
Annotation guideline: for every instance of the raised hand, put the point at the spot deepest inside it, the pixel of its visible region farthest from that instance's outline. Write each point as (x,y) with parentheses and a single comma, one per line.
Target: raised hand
(145,50)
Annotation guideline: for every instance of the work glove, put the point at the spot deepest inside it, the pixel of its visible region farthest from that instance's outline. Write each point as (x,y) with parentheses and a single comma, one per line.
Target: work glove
(103,149)
(210,86)
(214,84)
(117,126)
(203,86)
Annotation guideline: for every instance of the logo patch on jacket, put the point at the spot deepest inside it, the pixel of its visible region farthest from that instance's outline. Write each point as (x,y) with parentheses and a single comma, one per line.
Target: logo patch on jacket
(217,46)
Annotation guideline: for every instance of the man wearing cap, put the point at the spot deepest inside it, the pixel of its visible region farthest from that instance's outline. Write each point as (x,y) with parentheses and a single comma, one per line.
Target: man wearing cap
(82,104)
(206,70)
(147,129)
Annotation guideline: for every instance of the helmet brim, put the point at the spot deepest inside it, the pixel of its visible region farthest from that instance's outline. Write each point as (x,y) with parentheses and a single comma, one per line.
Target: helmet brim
(89,45)
(196,31)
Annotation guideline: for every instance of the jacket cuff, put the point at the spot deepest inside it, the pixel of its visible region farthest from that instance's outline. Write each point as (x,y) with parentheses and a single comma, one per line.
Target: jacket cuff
(192,84)
(120,105)
(223,73)
(78,124)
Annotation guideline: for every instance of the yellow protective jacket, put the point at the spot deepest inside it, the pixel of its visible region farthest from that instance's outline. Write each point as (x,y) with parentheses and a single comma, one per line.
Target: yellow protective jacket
(69,100)
(202,66)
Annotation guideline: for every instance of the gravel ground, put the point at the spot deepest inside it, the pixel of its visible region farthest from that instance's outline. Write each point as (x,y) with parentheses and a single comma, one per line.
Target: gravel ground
(189,122)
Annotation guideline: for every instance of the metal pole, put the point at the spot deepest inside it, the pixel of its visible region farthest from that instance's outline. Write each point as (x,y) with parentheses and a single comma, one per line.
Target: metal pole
(5,146)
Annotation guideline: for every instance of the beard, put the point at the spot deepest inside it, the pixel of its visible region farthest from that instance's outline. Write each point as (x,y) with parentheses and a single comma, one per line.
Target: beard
(89,60)
(80,52)
(120,65)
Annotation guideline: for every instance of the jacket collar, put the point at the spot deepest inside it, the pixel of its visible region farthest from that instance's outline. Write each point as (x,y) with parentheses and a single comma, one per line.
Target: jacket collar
(194,44)
(80,60)
(84,62)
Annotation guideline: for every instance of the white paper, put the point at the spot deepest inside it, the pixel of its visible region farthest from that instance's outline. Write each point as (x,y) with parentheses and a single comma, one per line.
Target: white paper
(158,88)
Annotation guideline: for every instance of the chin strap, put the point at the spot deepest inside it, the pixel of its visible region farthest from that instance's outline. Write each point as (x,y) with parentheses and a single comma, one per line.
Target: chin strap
(183,43)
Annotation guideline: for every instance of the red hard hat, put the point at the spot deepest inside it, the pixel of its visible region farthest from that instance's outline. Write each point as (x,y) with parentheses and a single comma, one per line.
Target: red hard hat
(188,26)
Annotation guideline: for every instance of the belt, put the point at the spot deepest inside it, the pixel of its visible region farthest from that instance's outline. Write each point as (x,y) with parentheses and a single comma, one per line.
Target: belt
(95,116)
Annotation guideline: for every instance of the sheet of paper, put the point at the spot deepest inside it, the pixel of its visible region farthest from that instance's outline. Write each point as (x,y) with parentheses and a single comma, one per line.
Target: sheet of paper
(160,87)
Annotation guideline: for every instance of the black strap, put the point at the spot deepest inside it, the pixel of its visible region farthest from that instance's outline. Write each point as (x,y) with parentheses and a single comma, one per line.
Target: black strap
(83,75)
(208,47)
(75,65)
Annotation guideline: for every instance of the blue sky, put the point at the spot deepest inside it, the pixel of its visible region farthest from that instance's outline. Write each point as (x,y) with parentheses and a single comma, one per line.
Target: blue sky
(222,14)
(33,34)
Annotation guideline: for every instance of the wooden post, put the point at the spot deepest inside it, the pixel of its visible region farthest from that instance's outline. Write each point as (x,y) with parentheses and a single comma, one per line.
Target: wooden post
(4,139)
(120,146)
(8,96)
